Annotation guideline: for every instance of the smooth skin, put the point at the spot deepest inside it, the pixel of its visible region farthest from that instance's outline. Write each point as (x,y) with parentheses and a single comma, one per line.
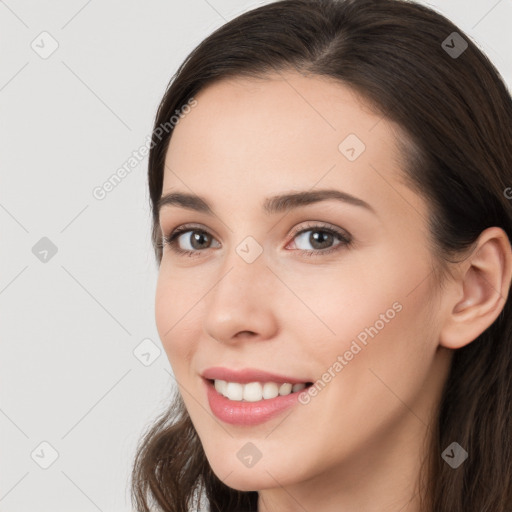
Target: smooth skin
(359,444)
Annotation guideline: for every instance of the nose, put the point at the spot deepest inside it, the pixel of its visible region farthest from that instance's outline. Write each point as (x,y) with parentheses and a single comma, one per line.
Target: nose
(242,303)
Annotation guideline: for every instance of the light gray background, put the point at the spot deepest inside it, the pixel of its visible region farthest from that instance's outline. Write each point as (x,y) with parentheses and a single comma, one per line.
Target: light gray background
(69,326)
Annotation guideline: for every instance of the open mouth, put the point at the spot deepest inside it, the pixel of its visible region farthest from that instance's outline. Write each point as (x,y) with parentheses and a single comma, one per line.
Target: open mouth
(255,391)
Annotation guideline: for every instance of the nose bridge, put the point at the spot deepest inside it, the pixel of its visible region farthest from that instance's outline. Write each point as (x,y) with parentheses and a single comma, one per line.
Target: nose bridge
(244,269)
(239,279)
(239,299)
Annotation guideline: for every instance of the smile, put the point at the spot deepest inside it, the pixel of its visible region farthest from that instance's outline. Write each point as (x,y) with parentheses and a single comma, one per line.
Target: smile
(256,391)
(237,410)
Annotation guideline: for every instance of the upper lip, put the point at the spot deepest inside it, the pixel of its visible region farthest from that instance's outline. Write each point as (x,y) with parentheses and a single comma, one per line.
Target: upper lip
(246,375)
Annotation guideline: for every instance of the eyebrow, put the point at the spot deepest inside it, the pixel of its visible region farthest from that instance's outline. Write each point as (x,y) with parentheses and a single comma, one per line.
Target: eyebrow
(272,205)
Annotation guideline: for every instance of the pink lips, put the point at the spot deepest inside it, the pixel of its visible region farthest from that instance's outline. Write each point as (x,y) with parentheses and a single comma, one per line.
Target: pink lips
(248,375)
(247,413)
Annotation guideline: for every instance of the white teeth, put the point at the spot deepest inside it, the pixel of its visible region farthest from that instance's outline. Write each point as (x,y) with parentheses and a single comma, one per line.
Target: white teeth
(220,386)
(234,391)
(285,389)
(270,390)
(255,391)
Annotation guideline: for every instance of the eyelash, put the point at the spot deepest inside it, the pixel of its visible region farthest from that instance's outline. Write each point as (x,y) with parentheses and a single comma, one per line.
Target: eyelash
(345,239)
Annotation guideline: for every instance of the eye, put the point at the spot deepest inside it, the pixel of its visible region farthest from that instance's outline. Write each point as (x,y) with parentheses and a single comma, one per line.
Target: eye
(320,238)
(192,240)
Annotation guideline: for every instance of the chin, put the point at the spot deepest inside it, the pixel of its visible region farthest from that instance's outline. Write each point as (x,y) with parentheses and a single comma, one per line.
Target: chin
(249,480)
(260,476)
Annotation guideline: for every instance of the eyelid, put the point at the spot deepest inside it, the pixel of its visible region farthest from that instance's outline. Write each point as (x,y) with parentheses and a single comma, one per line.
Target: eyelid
(173,234)
(182,228)
(345,235)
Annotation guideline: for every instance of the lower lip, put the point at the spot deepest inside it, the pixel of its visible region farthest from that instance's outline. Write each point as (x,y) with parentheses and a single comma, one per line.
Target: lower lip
(248,413)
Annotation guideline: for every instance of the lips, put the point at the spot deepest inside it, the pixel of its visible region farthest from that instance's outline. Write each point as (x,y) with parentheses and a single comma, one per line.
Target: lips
(246,414)
(257,409)
(245,376)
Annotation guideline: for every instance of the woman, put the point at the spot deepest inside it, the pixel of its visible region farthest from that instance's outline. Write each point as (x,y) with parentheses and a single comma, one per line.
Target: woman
(332,228)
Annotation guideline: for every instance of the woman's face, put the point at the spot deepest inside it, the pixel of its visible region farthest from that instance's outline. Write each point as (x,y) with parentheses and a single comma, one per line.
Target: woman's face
(336,290)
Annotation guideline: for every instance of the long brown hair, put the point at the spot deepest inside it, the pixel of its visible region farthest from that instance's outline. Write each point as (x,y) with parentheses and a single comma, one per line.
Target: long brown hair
(457,114)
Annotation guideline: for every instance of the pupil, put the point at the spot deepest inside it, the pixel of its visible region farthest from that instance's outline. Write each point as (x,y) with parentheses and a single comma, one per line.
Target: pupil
(322,238)
(198,237)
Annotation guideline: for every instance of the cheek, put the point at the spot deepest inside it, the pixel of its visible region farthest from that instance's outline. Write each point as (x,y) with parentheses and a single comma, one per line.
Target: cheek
(347,298)
(384,343)
(372,306)
(176,306)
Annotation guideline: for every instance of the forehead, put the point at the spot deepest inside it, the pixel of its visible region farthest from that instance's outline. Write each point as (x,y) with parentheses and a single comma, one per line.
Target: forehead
(282,131)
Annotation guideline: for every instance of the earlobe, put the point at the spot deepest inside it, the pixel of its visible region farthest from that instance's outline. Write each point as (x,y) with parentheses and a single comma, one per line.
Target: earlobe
(480,293)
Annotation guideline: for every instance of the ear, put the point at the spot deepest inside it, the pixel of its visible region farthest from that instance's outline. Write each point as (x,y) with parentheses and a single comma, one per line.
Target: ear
(480,291)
